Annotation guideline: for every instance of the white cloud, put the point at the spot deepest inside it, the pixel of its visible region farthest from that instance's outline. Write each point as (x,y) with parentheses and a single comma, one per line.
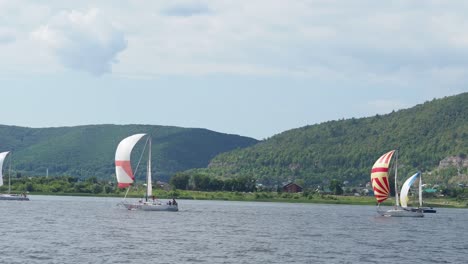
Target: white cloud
(339,38)
(349,40)
(82,41)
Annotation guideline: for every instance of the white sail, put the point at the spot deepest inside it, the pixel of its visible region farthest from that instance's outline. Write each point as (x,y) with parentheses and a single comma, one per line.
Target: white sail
(149,185)
(405,189)
(123,169)
(2,158)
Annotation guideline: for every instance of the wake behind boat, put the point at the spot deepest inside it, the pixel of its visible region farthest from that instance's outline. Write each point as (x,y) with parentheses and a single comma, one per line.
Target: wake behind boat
(125,177)
(9,196)
(400,212)
(381,187)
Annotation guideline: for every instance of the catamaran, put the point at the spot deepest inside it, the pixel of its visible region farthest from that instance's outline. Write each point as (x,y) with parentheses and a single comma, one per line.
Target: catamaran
(381,187)
(404,194)
(9,195)
(125,177)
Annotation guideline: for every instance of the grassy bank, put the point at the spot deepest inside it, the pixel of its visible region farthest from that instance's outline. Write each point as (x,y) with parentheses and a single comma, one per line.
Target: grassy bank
(273,197)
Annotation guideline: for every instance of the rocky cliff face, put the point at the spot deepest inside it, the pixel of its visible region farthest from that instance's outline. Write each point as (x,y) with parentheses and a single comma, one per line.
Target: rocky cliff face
(454,161)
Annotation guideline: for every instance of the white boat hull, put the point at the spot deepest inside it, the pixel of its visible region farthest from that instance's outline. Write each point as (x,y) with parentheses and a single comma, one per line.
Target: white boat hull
(13,197)
(150,206)
(399,212)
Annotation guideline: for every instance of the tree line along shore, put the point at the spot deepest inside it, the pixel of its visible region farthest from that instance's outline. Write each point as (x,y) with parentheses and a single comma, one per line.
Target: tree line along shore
(67,185)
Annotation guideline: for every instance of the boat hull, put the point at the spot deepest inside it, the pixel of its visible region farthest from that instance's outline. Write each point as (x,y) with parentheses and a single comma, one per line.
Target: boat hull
(425,209)
(147,206)
(13,197)
(401,213)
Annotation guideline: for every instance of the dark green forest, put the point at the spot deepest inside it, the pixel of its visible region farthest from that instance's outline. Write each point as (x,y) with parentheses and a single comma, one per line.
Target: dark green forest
(345,150)
(88,151)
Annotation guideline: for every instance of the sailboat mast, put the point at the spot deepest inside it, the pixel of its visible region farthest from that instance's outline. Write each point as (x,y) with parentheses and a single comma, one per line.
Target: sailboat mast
(396,185)
(149,186)
(420,190)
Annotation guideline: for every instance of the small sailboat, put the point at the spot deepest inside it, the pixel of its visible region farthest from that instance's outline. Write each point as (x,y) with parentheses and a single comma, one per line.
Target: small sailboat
(9,196)
(381,187)
(404,195)
(125,177)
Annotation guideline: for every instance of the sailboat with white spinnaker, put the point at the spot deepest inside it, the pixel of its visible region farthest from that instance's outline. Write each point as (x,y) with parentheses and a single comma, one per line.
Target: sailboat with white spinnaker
(125,177)
(404,195)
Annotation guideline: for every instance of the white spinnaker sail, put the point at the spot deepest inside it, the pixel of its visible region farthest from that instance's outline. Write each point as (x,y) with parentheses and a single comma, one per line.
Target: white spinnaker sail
(2,158)
(405,189)
(123,169)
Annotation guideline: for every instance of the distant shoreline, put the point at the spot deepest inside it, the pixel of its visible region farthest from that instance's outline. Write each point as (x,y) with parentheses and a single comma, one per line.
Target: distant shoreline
(440,202)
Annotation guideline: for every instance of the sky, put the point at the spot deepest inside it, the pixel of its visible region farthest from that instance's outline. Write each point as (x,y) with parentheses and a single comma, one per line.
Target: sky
(254,68)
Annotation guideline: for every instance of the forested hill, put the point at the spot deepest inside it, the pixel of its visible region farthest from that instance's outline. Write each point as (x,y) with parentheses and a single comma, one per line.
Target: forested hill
(347,149)
(86,151)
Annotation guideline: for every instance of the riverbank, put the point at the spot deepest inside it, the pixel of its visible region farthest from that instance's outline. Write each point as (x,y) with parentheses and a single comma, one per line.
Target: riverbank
(273,197)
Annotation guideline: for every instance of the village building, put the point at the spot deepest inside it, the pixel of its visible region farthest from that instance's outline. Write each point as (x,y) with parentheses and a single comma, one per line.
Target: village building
(292,188)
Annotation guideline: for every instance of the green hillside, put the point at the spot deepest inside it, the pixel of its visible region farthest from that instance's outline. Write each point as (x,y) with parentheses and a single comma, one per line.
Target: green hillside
(87,151)
(346,149)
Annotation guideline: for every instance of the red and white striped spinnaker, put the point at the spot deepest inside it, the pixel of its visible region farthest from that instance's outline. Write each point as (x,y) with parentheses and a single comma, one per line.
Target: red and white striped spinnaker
(379,177)
(123,168)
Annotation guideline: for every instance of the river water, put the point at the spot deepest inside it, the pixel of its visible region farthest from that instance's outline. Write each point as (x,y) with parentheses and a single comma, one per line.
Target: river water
(59,229)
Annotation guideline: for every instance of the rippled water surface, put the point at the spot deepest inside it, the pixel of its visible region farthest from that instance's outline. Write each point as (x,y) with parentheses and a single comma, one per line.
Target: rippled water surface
(51,229)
